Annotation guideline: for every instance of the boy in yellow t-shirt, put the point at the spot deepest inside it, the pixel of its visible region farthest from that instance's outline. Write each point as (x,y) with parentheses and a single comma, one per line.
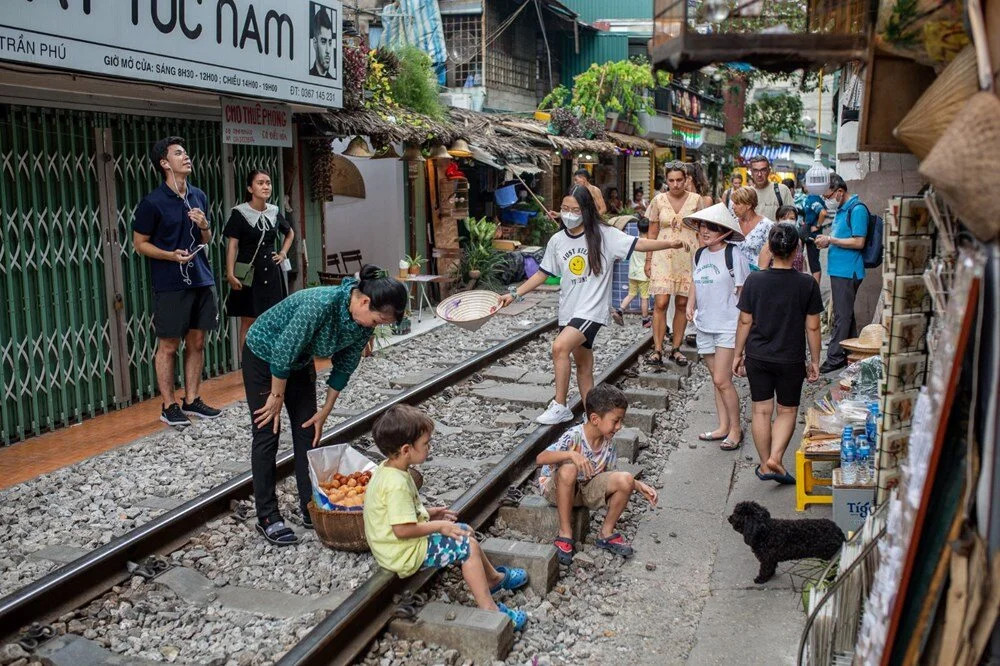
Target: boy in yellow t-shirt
(405,537)
(638,281)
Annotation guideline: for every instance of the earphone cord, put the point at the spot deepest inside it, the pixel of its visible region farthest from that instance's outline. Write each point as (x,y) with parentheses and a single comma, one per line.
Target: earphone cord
(185,268)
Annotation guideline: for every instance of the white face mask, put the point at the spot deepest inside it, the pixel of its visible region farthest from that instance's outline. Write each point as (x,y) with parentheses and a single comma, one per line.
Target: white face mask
(832,203)
(571,220)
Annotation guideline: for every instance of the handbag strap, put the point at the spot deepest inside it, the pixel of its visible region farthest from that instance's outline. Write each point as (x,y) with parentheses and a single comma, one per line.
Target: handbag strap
(263,232)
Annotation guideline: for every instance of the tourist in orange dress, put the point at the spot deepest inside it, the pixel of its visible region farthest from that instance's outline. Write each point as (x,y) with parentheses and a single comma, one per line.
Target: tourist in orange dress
(669,271)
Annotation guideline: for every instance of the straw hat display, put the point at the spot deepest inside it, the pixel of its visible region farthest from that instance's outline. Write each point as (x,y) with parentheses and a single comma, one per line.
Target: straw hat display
(345,178)
(924,124)
(718,214)
(869,341)
(469,309)
(459,148)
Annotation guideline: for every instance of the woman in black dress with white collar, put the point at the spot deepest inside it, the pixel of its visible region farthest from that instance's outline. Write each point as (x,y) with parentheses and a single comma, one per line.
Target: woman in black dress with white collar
(252,230)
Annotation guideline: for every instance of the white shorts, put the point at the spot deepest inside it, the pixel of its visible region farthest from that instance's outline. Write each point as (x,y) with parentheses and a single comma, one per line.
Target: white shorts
(707,342)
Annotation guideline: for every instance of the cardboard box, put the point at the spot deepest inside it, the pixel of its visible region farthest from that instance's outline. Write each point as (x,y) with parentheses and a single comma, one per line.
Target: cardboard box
(851,503)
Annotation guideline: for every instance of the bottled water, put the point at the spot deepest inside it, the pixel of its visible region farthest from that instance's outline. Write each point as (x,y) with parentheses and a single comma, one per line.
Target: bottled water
(848,456)
(863,458)
(871,425)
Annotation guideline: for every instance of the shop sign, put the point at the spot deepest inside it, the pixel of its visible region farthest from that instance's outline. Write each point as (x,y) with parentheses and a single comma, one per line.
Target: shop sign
(690,139)
(249,123)
(285,50)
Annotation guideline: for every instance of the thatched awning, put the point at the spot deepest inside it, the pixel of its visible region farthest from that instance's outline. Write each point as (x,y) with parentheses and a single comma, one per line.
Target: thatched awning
(538,133)
(630,142)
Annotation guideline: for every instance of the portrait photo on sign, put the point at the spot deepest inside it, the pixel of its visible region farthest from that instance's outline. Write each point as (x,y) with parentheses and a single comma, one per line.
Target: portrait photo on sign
(322,40)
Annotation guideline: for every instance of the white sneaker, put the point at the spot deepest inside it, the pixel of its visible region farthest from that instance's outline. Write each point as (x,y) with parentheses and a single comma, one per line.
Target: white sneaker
(555,413)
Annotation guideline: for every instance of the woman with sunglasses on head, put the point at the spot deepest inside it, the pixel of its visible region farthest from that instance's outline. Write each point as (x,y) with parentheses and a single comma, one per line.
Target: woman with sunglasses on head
(582,253)
(719,273)
(670,272)
(779,311)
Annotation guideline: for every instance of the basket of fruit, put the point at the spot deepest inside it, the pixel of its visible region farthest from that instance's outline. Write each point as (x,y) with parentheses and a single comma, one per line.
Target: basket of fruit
(343,527)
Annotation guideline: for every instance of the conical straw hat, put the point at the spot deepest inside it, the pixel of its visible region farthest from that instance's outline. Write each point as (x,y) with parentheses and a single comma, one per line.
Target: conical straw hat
(868,341)
(469,309)
(718,214)
(921,128)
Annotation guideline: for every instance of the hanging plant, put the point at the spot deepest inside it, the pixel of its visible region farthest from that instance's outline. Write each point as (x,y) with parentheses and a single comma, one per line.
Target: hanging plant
(355,73)
(322,167)
(415,85)
(565,123)
(378,87)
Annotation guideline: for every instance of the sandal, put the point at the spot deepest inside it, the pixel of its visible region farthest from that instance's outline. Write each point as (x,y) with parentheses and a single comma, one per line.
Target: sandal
(770,476)
(513,579)
(616,544)
(565,549)
(709,437)
(655,358)
(618,317)
(785,479)
(517,617)
(679,358)
(278,534)
(728,445)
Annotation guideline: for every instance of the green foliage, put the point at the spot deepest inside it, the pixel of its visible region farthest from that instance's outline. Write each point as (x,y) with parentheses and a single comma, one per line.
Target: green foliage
(773,115)
(555,99)
(415,259)
(415,86)
(480,255)
(618,87)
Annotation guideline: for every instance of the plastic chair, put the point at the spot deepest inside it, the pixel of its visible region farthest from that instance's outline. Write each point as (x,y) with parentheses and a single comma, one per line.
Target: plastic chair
(805,481)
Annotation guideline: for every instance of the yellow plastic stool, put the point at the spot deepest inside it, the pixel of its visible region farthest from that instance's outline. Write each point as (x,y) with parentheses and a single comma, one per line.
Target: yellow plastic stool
(805,481)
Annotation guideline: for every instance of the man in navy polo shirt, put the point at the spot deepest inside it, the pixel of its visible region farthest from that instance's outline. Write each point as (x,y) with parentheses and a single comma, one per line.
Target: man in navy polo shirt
(171,229)
(845,265)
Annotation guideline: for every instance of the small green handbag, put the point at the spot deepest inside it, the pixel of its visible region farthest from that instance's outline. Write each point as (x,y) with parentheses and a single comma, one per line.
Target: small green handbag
(243,273)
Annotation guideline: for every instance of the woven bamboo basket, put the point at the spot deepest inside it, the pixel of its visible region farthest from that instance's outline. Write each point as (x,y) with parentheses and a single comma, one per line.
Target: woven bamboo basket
(469,309)
(345,530)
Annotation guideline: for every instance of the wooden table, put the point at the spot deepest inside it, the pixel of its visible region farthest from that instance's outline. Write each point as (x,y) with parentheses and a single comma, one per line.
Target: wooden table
(421,281)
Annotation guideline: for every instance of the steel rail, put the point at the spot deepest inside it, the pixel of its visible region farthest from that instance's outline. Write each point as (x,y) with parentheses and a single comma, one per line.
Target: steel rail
(89,575)
(345,633)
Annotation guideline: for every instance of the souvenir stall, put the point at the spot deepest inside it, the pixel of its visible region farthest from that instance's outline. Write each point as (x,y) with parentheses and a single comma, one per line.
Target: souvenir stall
(919,578)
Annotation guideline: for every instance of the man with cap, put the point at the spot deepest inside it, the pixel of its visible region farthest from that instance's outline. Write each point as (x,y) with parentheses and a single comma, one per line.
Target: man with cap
(171,229)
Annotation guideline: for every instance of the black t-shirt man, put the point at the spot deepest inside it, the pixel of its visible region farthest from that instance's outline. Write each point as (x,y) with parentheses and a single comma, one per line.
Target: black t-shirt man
(779,300)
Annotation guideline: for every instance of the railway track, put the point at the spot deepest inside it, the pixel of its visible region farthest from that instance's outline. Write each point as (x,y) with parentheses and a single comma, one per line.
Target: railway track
(345,632)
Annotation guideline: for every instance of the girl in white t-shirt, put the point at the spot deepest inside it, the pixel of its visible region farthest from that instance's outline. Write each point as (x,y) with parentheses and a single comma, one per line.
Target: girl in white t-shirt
(718,275)
(582,254)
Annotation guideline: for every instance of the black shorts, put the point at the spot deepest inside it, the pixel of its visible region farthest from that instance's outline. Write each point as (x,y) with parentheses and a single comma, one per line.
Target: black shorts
(812,253)
(587,327)
(177,312)
(781,380)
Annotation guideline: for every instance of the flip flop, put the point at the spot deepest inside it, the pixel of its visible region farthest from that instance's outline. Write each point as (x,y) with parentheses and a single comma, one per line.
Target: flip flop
(513,579)
(770,476)
(731,446)
(708,437)
(785,479)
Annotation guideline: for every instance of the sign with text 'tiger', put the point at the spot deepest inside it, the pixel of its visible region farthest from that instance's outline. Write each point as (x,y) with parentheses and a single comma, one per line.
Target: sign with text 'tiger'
(249,123)
(287,50)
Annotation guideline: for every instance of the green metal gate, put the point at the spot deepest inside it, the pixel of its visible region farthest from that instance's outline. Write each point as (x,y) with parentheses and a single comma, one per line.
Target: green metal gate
(76,337)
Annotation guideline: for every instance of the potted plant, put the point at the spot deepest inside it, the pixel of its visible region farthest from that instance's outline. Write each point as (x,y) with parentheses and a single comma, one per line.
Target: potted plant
(555,99)
(414,262)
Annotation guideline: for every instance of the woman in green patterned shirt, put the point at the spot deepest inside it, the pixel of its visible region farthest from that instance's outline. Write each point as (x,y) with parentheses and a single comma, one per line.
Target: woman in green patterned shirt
(278,369)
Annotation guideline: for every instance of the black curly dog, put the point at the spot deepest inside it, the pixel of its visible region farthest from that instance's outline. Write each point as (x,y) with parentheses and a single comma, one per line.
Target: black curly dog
(773,540)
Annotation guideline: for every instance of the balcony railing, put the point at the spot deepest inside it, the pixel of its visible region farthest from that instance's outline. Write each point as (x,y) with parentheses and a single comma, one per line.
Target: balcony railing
(781,35)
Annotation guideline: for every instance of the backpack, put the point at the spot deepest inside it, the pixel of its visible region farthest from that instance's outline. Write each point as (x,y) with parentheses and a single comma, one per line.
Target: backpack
(871,253)
(730,248)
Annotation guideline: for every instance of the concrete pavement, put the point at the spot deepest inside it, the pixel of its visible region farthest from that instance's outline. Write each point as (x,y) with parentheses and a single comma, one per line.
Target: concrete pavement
(699,605)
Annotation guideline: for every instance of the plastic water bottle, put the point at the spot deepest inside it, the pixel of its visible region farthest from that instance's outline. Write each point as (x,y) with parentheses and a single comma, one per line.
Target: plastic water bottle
(863,460)
(848,456)
(871,425)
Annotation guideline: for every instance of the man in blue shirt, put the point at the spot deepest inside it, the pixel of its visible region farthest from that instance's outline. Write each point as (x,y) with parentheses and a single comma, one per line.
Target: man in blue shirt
(171,229)
(845,265)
